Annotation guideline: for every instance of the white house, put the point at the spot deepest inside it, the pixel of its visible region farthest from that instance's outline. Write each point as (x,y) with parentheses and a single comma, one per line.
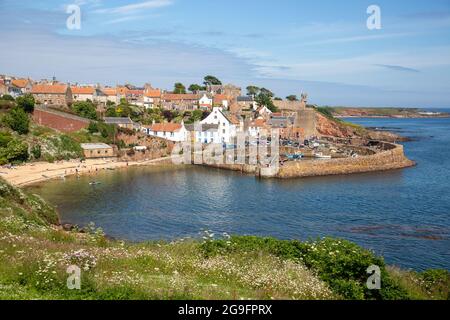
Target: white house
(256,128)
(227,129)
(175,132)
(152,98)
(83,93)
(205,102)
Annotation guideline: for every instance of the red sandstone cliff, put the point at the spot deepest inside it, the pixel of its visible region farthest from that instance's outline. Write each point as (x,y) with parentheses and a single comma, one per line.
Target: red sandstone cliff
(336,128)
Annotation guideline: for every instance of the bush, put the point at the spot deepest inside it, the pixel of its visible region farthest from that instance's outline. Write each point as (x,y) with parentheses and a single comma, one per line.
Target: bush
(85,110)
(340,263)
(36,151)
(17,119)
(26,102)
(5,138)
(8,97)
(15,151)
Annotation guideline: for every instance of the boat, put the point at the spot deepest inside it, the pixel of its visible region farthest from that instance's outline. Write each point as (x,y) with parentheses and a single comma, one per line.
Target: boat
(295,156)
(320,155)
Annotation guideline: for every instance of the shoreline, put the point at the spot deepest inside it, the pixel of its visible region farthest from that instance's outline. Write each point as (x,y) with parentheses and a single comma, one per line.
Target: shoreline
(31,173)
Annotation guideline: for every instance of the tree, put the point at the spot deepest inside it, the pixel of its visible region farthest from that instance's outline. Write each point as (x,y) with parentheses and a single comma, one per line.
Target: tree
(15,151)
(211,80)
(17,119)
(267,92)
(196,116)
(195,88)
(179,88)
(85,110)
(111,112)
(252,90)
(26,102)
(277,99)
(168,115)
(292,97)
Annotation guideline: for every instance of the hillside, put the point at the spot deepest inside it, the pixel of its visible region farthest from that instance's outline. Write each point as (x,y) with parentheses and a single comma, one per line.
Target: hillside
(384,112)
(35,253)
(328,125)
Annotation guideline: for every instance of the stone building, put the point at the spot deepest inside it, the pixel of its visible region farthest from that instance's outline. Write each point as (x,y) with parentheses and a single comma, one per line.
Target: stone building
(97,150)
(52,94)
(181,102)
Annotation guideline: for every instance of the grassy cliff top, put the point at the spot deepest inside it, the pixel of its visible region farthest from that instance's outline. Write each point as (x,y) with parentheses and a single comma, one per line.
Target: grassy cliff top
(35,254)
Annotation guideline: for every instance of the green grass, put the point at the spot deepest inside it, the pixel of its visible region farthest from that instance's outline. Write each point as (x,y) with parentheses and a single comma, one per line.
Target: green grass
(34,256)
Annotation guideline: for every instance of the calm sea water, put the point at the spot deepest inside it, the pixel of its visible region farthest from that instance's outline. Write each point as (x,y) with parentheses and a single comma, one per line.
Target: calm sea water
(403,215)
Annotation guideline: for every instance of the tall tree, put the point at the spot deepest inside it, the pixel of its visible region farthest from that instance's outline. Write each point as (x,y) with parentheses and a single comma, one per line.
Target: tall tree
(252,90)
(211,80)
(179,88)
(194,88)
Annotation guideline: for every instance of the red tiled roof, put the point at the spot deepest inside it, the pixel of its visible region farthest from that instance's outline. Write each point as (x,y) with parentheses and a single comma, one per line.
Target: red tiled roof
(174,96)
(52,89)
(109,91)
(153,93)
(82,90)
(122,90)
(136,92)
(219,98)
(259,123)
(20,83)
(165,127)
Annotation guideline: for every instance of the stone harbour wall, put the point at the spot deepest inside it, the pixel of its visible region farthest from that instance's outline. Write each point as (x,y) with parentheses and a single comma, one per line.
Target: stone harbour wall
(384,160)
(392,158)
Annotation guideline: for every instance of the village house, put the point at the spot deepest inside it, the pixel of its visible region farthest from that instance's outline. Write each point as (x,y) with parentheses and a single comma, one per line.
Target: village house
(246,103)
(205,133)
(83,93)
(109,95)
(135,97)
(257,127)
(264,112)
(221,100)
(205,102)
(97,150)
(180,102)
(24,85)
(123,122)
(52,94)
(228,90)
(227,125)
(152,98)
(175,132)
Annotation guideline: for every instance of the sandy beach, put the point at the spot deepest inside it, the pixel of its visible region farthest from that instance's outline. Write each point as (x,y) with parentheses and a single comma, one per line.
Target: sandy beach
(41,171)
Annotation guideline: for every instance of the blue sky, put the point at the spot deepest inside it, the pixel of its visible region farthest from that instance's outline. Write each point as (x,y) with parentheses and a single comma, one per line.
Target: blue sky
(322,47)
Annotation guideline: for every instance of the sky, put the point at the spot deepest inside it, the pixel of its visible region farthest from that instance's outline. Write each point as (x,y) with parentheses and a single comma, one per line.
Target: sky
(322,47)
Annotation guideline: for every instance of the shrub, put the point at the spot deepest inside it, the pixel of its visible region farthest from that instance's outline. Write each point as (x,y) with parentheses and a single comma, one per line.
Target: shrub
(17,119)
(8,97)
(340,263)
(5,138)
(14,152)
(85,110)
(26,102)
(36,151)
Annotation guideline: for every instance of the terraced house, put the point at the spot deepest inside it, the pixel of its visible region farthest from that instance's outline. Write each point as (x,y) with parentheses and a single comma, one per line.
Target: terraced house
(52,94)
(83,93)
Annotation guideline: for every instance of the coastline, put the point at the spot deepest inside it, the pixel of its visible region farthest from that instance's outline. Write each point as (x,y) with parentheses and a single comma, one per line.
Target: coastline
(31,173)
